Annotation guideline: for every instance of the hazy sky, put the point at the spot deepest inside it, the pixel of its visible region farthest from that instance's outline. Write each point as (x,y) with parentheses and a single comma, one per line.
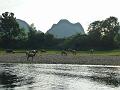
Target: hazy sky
(45,13)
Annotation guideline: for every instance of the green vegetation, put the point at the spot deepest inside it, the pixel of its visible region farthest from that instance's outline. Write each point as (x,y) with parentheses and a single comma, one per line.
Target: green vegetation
(102,35)
(9,30)
(79,53)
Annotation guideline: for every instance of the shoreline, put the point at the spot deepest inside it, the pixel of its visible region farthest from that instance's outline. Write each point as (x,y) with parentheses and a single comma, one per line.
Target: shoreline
(59,59)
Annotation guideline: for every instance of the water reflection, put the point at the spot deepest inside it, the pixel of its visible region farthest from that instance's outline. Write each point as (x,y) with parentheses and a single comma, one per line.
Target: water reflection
(8,80)
(106,75)
(58,77)
(7,65)
(11,76)
(107,80)
(59,85)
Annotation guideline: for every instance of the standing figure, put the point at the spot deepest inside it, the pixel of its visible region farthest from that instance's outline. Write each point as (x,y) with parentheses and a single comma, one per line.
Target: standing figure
(74,52)
(30,54)
(91,51)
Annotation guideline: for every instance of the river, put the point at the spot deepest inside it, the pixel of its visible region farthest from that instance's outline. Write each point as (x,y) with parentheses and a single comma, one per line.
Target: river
(59,77)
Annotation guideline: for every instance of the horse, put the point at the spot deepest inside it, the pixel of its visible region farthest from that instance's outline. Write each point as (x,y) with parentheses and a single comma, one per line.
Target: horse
(91,51)
(31,54)
(43,51)
(73,52)
(9,51)
(33,51)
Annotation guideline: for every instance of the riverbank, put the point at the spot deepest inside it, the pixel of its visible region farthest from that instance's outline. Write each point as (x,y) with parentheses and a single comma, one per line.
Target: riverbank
(59,59)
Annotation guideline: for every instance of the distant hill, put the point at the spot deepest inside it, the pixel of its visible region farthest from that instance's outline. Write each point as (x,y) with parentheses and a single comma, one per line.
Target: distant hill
(64,29)
(23,24)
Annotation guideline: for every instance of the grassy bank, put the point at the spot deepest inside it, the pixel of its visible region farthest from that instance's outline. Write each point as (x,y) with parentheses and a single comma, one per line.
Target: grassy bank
(55,57)
(101,53)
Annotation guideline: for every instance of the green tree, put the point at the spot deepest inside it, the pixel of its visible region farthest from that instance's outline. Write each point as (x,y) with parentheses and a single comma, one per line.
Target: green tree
(102,33)
(9,29)
(32,31)
(94,34)
(117,40)
(78,42)
(31,36)
(110,28)
(49,41)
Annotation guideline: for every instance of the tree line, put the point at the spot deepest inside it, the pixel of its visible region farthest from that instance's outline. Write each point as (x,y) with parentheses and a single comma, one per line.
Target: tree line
(102,35)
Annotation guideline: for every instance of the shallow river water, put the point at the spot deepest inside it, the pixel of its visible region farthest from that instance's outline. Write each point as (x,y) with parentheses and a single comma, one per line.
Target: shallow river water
(59,77)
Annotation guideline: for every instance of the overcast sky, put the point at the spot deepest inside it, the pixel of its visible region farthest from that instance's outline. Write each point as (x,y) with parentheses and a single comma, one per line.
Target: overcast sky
(45,13)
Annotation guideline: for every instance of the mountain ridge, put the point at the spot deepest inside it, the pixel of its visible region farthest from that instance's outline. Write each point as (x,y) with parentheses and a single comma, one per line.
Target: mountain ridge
(65,28)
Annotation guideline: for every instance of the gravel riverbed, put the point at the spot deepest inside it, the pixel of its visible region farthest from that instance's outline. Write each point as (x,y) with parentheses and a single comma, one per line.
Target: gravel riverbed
(59,59)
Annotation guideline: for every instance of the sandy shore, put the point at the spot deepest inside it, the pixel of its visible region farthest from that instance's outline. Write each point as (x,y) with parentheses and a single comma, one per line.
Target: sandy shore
(59,59)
